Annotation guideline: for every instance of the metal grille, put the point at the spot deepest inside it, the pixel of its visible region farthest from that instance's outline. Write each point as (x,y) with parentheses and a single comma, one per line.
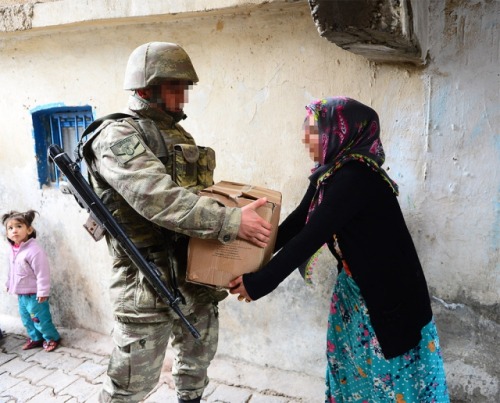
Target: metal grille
(66,129)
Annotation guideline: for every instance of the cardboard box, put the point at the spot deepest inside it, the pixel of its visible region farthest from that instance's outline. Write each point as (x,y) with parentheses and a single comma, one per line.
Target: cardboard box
(212,263)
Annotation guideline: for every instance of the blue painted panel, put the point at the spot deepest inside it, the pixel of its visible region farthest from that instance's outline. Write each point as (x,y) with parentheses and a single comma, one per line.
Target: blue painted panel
(48,123)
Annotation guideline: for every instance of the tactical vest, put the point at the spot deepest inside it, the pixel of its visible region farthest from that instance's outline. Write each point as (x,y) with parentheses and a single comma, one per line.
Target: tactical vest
(189,166)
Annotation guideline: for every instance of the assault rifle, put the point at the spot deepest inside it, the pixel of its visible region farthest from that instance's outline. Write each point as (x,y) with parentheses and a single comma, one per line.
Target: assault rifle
(103,221)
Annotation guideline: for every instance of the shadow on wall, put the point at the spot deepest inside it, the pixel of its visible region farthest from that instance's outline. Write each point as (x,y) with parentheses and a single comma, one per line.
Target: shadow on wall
(75,299)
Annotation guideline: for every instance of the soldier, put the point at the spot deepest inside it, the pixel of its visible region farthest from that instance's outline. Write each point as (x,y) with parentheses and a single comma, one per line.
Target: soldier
(147,170)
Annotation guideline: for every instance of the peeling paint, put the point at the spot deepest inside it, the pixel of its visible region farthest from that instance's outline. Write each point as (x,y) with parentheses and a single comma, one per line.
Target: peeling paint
(452,306)
(472,381)
(16,17)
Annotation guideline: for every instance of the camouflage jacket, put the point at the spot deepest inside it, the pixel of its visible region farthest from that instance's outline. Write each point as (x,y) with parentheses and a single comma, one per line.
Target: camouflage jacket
(130,171)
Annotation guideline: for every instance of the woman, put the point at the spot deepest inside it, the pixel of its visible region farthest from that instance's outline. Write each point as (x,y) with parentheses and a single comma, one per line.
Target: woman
(382,343)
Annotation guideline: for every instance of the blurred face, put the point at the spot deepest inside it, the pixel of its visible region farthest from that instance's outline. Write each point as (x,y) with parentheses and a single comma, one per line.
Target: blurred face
(17,231)
(174,95)
(311,139)
(170,96)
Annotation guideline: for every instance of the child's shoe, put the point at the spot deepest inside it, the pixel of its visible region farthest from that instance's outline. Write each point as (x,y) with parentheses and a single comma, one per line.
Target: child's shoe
(50,345)
(32,344)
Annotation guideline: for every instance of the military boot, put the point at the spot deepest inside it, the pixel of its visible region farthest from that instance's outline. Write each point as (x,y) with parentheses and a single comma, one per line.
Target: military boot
(197,400)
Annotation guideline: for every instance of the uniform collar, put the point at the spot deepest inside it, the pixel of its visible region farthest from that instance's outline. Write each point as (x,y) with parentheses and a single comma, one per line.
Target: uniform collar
(141,107)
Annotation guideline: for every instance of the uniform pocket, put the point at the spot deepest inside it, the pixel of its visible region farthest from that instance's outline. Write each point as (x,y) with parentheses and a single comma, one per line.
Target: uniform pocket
(185,159)
(206,167)
(146,296)
(124,358)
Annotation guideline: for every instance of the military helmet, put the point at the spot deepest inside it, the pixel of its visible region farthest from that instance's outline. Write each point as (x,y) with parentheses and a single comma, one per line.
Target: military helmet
(156,62)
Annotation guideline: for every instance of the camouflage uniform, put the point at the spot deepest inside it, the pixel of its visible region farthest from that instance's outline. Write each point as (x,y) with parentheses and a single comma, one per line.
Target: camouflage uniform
(131,166)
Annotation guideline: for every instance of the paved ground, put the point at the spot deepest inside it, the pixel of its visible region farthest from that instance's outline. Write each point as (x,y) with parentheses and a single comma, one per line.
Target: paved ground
(74,372)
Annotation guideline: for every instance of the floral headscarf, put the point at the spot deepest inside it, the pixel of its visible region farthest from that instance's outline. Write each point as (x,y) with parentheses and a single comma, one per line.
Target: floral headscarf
(348,131)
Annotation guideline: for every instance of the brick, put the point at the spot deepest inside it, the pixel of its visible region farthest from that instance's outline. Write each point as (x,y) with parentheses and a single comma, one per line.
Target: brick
(81,390)
(104,361)
(48,396)
(27,354)
(7,382)
(16,366)
(229,394)
(89,370)
(58,380)
(295,384)
(35,373)
(258,398)
(210,388)
(12,343)
(42,357)
(23,391)
(5,358)
(278,383)
(69,351)
(64,362)
(100,380)
(162,395)
(94,398)
(91,356)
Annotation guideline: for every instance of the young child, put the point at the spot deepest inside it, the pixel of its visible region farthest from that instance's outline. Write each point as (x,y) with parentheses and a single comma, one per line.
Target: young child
(29,279)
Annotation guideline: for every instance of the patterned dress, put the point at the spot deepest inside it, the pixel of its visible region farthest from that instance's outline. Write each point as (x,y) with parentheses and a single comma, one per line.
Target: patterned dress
(350,206)
(357,370)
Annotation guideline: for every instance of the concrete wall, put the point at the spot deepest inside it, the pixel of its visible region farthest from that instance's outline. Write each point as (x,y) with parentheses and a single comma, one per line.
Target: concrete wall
(259,63)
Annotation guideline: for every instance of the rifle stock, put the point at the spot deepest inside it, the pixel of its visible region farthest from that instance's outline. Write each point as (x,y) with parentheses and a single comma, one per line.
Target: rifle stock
(89,200)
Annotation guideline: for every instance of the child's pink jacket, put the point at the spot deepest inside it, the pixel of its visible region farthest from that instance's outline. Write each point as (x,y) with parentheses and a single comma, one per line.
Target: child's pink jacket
(29,270)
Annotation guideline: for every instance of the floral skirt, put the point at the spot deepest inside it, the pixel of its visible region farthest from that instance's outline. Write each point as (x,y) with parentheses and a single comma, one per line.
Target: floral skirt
(358,372)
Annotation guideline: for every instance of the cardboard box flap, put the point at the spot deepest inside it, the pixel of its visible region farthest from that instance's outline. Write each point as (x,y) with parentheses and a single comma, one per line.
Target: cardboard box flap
(215,264)
(214,191)
(235,190)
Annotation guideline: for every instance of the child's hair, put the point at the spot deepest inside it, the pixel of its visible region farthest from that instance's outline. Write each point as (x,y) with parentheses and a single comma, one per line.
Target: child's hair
(25,218)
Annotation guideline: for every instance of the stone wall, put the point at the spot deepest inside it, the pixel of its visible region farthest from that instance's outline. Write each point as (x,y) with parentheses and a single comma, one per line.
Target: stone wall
(259,63)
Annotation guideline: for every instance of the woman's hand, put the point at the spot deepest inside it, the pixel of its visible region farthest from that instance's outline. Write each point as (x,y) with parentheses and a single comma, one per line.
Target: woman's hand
(42,299)
(237,287)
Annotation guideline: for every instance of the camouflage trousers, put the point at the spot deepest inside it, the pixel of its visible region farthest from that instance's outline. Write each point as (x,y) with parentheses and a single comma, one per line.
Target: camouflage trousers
(137,359)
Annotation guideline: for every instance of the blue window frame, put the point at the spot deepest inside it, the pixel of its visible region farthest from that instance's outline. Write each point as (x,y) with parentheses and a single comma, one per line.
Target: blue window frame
(60,125)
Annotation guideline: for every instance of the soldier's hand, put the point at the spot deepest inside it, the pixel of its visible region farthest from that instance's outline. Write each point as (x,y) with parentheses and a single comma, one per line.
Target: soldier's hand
(253,227)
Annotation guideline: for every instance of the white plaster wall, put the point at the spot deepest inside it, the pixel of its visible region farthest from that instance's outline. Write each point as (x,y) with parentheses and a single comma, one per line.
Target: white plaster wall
(258,67)
(459,215)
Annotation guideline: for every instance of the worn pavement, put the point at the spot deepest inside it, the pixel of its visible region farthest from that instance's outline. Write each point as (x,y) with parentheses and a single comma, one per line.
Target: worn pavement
(74,373)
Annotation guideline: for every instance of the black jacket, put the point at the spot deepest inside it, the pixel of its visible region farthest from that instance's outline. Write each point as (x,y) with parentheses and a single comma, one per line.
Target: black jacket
(362,210)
